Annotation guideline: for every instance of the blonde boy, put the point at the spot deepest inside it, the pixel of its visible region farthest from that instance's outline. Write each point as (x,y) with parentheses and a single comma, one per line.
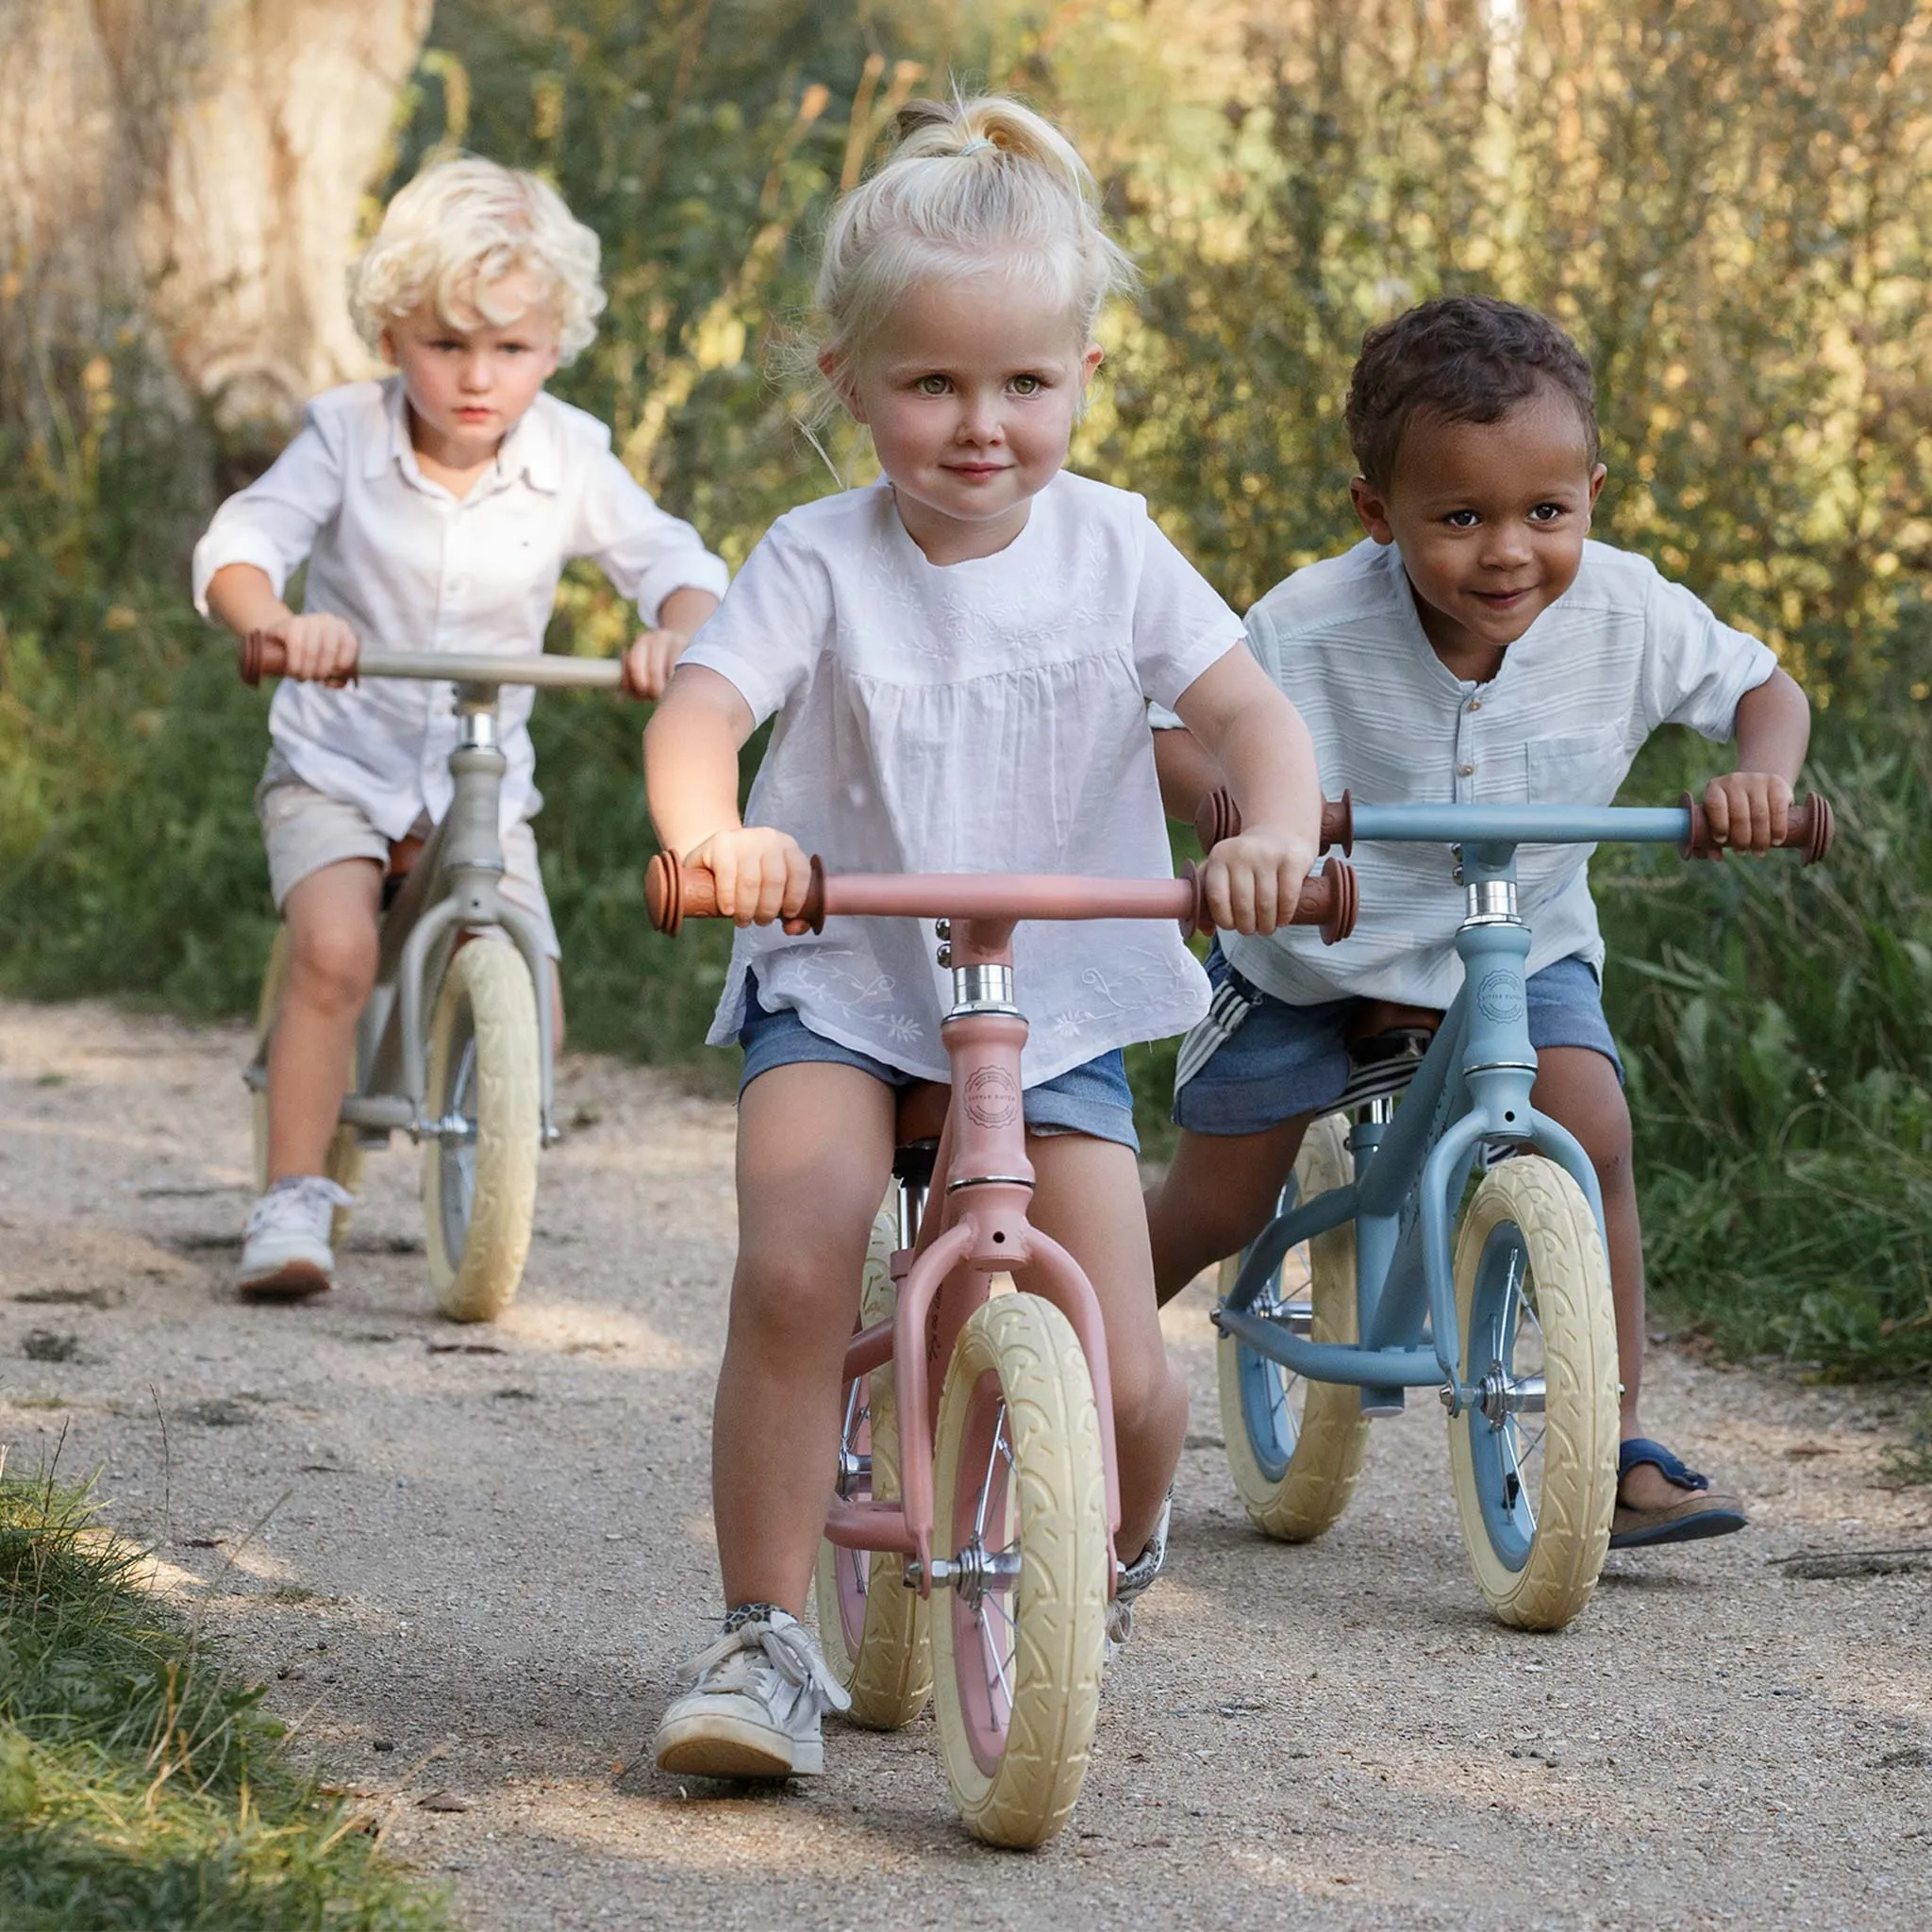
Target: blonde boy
(436,510)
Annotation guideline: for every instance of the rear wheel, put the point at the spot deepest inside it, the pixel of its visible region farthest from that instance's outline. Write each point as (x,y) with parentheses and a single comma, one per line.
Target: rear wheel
(1021,1502)
(872,1629)
(479,1173)
(1534,1461)
(1294,1447)
(342,1163)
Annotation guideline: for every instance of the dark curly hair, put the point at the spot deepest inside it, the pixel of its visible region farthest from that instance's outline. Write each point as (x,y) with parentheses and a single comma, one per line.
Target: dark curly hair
(1461,358)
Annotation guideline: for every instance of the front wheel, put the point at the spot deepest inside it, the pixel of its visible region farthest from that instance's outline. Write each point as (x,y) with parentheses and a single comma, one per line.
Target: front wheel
(342,1163)
(872,1629)
(1020,1503)
(1294,1447)
(485,1094)
(1533,1460)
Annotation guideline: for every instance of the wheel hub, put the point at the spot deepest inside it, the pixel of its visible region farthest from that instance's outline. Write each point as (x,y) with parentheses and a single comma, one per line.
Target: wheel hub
(1500,1395)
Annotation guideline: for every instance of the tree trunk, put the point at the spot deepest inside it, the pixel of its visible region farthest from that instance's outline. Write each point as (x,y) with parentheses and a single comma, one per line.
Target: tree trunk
(185,177)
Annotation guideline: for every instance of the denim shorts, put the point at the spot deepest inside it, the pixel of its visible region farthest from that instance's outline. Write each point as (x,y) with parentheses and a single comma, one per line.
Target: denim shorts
(1284,1061)
(1093,1099)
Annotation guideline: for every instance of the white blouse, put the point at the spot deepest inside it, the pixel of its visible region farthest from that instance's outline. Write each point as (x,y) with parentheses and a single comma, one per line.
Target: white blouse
(985,716)
(411,567)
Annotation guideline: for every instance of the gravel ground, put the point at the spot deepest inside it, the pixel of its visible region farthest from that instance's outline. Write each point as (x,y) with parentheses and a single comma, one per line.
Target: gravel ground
(469,1560)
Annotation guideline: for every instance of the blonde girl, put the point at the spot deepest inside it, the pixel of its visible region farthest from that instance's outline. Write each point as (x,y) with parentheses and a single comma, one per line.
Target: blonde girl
(434,511)
(960,660)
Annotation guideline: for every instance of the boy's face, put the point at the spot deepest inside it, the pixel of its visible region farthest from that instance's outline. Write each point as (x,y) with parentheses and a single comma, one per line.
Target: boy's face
(468,387)
(1490,517)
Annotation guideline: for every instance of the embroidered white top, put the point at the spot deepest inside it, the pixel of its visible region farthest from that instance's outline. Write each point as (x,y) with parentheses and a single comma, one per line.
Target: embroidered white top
(985,716)
(412,567)
(1623,651)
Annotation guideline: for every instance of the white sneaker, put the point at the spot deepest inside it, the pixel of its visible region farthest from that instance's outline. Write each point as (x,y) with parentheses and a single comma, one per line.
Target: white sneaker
(755,1703)
(285,1254)
(1134,1579)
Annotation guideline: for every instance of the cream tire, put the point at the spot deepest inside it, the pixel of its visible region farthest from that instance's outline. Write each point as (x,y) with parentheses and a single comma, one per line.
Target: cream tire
(479,1194)
(1295,1447)
(872,1629)
(1017,1668)
(342,1163)
(1535,1491)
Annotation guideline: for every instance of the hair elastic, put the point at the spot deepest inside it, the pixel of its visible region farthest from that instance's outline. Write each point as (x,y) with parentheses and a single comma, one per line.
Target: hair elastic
(972,146)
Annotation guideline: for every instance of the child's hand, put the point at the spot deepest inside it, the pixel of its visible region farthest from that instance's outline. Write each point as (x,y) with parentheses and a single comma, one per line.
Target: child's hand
(1748,811)
(320,646)
(762,874)
(1253,880)
(649,663)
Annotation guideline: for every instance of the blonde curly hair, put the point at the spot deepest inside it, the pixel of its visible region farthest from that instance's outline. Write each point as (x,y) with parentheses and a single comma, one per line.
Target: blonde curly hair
(453,236)
(973,187)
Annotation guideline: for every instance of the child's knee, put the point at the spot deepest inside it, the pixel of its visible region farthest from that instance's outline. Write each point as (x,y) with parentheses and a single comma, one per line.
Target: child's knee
(334,964)
(794,1304)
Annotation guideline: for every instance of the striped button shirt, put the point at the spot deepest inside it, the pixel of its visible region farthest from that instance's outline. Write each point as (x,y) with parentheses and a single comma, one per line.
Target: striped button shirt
(1621,651)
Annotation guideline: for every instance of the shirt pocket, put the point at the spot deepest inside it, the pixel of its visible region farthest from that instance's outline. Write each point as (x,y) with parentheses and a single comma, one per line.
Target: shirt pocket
(1576,767)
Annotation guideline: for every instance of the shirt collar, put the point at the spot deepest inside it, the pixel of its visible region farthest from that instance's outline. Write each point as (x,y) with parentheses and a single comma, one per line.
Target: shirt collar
(532,449)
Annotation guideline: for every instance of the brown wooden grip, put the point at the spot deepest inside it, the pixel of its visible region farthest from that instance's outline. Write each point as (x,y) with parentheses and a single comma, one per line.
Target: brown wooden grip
(1218,817)
(674,892)
(258,656)
(1810,828)
(1329,899)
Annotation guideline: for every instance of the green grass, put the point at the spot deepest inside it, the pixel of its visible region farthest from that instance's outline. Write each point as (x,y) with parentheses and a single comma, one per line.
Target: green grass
(141,1786)
(1773,1021)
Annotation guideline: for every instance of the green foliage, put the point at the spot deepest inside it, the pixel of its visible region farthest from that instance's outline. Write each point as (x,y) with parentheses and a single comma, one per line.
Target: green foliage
(1780,1072)
(1731,205)
(140,1786)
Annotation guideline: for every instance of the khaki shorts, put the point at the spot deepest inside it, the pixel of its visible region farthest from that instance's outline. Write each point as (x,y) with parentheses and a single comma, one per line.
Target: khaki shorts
(306,829)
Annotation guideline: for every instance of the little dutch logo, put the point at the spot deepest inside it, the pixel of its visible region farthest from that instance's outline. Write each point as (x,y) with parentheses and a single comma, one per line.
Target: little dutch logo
(992,1099)
(1500,996)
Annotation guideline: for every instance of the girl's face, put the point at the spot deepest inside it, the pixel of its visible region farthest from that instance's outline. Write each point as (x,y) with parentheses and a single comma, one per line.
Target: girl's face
(970,391)
(468,387)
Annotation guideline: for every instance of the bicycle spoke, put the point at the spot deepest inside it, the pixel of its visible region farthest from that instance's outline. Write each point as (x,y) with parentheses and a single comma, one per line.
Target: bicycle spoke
(999,1680)
(992,1457)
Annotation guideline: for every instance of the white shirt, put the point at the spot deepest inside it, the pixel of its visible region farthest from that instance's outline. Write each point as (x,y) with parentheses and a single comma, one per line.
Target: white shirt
(985,716)
(1623,651)
(411,567)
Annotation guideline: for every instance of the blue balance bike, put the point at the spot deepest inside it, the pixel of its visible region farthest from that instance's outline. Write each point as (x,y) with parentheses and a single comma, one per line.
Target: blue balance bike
(1513,1326)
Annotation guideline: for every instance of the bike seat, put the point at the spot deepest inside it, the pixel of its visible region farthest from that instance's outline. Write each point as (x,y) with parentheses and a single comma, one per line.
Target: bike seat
(921,1112)
(1379,1029)
(1386,1045)
(403,854)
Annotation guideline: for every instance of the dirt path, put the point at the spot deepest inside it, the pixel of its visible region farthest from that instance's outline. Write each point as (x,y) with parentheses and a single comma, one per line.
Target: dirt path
(469,1560)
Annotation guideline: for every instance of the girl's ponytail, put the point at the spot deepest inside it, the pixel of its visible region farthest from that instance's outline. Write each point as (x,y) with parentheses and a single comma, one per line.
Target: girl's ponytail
(973,187)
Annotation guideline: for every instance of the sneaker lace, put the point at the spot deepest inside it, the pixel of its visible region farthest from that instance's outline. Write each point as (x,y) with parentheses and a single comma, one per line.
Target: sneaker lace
(302,1204)
(759,1656)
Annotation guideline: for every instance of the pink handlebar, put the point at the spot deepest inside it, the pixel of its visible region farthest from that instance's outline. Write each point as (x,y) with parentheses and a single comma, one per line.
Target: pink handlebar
(674,892)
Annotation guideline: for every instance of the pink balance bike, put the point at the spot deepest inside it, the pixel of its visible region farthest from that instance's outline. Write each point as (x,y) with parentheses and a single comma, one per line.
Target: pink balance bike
(1007,1498)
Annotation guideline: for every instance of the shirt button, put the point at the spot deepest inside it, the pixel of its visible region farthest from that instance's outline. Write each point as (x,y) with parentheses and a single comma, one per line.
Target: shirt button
(1467,771)
(1476,703)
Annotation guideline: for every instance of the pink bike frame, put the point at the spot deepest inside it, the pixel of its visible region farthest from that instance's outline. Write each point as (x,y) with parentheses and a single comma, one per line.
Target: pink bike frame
(982,1180)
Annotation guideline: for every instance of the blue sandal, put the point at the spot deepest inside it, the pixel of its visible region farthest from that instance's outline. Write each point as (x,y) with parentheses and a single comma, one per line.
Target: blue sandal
(1700,1512)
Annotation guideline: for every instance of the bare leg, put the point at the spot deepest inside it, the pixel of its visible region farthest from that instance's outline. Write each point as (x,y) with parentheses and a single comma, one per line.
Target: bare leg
(1087,1199)
(1219,1194)
(1578,1089)
(814,1150)
(332,952)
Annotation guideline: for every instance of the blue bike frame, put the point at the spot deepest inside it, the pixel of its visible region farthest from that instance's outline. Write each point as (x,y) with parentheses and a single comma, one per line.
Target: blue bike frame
(1471,1092)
